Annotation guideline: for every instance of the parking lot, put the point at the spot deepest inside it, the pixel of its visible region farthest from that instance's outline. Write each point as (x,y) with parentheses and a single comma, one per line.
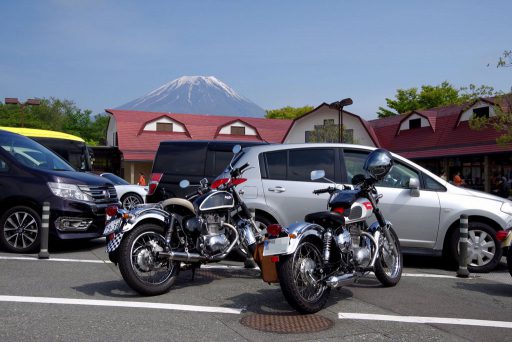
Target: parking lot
(78,295)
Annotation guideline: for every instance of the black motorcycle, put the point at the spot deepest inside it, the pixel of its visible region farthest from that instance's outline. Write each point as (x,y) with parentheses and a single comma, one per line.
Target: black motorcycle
(153,242)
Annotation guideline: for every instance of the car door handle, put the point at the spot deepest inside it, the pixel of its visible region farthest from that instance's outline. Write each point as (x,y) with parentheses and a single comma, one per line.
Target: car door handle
(277,189)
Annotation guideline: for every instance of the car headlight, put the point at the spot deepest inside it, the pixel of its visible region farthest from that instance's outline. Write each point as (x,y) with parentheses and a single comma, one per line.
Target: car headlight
(69,191)
(506,207)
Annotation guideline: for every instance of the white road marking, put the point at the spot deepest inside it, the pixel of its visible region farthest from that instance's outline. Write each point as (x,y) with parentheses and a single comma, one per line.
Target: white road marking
(426,320)
(115,303)
(428,275)
(56,259)
(215,266)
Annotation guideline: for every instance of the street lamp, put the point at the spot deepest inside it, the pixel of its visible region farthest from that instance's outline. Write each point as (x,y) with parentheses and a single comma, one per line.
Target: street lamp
(339,106)
(29,102)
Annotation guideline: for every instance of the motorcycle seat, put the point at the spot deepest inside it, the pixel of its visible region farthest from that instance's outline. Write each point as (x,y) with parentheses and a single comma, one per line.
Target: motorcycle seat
(326,218)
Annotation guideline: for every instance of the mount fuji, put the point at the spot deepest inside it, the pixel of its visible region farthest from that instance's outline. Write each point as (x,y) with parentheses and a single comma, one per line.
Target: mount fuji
(196,95)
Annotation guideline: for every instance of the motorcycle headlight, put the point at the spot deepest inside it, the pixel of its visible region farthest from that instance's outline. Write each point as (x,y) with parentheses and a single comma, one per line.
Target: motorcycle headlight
(69,191)
(506,207)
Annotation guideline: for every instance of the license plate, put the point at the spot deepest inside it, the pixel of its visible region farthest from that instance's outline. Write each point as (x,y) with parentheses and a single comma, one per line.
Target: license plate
(112,226)
(276,246)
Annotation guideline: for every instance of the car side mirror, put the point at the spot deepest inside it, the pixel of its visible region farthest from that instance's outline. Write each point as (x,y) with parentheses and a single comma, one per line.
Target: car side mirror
(414,185)
(317,174)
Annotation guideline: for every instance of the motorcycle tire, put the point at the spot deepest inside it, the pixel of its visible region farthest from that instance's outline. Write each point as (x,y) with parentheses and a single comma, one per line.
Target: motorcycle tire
(509,259)
(138,265)
(294,284)
(389,275)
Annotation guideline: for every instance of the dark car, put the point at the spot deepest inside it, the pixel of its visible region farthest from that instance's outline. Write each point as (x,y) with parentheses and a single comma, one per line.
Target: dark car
(192,160)
(30,175)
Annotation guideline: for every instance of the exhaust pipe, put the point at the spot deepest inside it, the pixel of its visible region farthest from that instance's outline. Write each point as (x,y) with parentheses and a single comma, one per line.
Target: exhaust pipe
(342,280)
(195,257)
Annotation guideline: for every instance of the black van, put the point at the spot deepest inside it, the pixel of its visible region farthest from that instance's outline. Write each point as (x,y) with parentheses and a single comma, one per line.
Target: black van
(192,160)
(30,174)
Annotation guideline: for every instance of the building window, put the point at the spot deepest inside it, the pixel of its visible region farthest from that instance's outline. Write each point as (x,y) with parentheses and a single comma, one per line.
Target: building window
(164,127)
(414,123)
(236,130)
(481,112)
(328,122)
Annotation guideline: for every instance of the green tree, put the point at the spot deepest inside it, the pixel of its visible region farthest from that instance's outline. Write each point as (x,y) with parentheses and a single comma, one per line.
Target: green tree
(505,59)
(287,112)
(444,94)
(502,120)
(58,115)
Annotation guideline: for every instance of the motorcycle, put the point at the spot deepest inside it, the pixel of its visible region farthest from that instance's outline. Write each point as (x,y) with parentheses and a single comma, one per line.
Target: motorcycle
(151,242)
(335,247)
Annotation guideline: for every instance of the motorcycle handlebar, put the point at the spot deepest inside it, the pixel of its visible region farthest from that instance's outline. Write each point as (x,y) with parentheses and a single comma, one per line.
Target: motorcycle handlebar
(322,191)
(238,171)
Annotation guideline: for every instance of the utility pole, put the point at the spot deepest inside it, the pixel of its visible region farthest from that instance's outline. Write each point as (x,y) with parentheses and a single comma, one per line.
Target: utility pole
(339,106)
(29,102)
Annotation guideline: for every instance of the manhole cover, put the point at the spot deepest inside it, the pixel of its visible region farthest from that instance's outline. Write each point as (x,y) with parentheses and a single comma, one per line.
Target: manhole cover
(287,324)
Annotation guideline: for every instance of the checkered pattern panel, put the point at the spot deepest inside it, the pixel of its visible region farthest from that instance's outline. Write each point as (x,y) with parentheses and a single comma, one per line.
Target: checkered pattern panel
(114,243)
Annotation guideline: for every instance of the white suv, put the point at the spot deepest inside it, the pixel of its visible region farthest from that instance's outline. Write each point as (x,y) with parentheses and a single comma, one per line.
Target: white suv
(425,212)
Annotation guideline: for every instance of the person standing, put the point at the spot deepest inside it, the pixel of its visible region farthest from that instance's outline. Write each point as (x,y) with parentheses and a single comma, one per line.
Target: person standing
(142,179)
(457,179)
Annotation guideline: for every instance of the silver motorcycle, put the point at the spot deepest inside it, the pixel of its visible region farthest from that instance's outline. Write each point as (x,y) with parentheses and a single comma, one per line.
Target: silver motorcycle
(152,243)
(335,247)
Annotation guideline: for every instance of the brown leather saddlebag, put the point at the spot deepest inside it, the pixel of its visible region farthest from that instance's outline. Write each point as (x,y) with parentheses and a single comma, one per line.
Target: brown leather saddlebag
(268,268)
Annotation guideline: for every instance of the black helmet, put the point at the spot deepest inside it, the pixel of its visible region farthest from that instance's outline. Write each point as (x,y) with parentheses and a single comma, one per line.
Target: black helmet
(378,163)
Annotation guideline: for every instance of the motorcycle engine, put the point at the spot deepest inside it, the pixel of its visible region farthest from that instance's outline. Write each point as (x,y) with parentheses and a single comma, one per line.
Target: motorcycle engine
(213,239)
(351,239)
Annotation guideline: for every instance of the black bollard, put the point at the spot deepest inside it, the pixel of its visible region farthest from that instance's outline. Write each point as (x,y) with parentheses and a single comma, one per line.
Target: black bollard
(463,272)
(43,253)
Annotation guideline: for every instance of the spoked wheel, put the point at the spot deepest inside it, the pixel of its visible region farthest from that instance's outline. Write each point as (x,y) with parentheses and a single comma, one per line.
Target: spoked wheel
(389,263)
(130,201)
(299,277)
(140,267)
(19,230)
(484,250)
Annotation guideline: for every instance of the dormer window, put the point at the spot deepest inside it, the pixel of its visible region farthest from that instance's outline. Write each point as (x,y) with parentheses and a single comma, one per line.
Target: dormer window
(414,123)
(236,130)
(164,127)
(237,127)
(482,112)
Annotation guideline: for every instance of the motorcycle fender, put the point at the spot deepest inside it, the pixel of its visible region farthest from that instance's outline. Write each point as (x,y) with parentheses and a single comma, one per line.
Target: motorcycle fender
(297,232)
(155,214)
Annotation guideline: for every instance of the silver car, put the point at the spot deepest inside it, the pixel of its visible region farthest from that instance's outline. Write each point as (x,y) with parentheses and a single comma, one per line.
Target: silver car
(424,209)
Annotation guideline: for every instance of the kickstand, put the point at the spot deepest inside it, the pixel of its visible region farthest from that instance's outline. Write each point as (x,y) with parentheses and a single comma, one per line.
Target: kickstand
(193,269)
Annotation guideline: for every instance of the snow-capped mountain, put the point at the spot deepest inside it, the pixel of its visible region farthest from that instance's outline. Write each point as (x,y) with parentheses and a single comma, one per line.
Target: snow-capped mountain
(196,95)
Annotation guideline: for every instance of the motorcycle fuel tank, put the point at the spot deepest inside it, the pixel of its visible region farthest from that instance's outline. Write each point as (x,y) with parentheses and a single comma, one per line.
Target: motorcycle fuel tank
(214,201)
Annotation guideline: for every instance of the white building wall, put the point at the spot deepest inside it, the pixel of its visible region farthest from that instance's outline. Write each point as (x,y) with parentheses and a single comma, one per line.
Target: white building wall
(469,113)
(405,124)
(227,129)
(297,133)
(111,131)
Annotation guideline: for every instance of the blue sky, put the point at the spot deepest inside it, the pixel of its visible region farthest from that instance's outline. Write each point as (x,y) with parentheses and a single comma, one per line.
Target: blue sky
(102,54)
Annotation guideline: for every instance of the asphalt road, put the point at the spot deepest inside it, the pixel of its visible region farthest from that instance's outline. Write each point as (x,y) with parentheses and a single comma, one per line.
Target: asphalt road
(77,295)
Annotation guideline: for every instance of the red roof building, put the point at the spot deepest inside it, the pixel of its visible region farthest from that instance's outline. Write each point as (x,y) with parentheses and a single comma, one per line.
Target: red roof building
(437,138)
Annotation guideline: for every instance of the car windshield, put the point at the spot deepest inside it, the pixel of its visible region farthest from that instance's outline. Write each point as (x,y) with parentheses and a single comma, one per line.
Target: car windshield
(32,154)
(115,179)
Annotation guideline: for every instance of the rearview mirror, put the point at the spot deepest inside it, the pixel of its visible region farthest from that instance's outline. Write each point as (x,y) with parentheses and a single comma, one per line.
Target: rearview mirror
(237,149)
(317,174)
(414,185)
(184,184)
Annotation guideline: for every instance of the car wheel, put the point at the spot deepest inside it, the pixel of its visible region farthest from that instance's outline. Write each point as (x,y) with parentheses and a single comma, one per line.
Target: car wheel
(20,230)
(484,250)
(130,200)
